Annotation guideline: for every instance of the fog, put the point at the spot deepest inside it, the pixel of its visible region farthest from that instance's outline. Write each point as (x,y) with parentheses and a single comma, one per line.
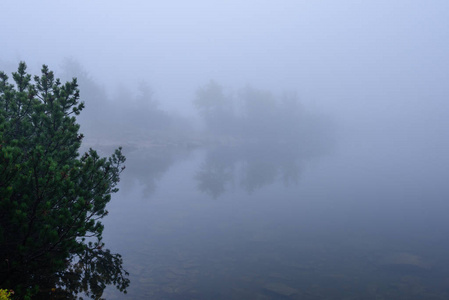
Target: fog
(342,104)
(382,64)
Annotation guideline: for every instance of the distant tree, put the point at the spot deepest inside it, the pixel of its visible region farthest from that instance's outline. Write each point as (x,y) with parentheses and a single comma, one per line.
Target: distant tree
(52,198)
(137,111)
(253,114)
(145,97)
(91,91)
(100,116)
(259,113)
(216,108)
(210,97)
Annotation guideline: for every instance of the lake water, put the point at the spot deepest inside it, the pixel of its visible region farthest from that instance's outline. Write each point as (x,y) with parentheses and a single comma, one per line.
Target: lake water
(281,222)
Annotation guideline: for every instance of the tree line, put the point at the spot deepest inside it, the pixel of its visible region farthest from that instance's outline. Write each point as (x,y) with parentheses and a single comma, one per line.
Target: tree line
(256,115)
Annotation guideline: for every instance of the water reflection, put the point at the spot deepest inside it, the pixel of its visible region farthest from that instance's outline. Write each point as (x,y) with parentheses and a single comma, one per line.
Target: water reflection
(338,242)
(246,165)
(252,166)
(146,166)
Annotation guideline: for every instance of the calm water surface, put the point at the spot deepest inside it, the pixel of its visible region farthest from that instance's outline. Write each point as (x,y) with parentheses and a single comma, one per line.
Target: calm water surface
(281,222)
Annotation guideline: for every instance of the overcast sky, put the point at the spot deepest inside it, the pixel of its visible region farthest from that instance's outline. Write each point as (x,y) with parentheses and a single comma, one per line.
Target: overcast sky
(362,58)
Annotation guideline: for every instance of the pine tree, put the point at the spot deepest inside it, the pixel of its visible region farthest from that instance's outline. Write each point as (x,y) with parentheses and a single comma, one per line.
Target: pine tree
(52,198)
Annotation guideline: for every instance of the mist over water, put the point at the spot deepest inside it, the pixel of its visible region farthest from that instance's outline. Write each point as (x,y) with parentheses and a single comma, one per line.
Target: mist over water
(225,224)
(293,150)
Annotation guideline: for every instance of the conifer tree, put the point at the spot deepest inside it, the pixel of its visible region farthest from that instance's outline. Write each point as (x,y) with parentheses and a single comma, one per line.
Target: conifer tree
(52,198)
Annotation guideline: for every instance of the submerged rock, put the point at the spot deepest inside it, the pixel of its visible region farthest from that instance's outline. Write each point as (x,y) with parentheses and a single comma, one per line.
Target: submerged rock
(280,289)
(404,262)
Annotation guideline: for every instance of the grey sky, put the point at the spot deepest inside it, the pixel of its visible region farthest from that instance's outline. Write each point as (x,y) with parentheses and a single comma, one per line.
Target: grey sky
(369,57)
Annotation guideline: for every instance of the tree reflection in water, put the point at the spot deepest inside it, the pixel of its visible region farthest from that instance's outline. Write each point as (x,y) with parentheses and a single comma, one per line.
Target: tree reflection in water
(251,166)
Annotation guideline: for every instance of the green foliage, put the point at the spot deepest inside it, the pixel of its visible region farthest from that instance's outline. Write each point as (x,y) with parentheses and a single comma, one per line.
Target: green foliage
(52,198)
(5,294)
